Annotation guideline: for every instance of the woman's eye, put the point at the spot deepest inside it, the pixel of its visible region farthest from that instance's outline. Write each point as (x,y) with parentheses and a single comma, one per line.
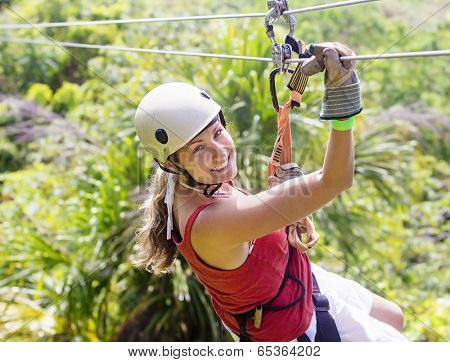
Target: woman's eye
(198,148)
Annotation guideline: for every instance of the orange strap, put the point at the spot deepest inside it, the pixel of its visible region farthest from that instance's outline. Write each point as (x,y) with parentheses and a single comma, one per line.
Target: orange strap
(282,151)
(282,154)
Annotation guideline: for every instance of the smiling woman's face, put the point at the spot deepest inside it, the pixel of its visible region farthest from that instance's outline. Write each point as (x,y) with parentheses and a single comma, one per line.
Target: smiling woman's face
(210,157)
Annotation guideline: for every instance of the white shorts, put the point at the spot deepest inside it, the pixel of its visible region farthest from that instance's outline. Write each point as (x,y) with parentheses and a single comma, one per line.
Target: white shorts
(350,306)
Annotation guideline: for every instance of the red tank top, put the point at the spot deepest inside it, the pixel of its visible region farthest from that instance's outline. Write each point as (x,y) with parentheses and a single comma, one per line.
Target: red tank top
(256,282)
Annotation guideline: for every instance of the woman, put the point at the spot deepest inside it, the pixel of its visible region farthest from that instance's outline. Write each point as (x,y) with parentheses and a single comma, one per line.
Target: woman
(260,285)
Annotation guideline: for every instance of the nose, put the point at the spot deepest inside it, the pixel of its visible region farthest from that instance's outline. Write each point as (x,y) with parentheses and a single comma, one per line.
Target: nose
(220,152)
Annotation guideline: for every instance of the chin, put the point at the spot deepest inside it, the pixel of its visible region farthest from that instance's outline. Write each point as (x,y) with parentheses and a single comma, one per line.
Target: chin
(225,176)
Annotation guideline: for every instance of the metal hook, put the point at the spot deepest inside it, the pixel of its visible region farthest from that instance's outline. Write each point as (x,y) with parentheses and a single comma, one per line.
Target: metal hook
(280,52)
(273,89)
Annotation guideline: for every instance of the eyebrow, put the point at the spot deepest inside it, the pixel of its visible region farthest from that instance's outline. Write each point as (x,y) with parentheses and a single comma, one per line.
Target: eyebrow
(197,141)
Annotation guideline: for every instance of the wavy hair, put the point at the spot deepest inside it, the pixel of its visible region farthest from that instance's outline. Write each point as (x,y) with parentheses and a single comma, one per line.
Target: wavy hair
(155,253)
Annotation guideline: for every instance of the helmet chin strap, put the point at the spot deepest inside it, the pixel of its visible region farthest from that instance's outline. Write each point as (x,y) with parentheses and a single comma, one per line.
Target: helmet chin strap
(206,191)
(191,181)
(216,187)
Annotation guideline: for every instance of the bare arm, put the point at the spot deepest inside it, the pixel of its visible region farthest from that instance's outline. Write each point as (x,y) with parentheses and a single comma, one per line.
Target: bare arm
(339,163)
(232,222)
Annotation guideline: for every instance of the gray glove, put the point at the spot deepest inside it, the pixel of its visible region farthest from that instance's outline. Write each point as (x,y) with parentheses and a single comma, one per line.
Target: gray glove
(342,97)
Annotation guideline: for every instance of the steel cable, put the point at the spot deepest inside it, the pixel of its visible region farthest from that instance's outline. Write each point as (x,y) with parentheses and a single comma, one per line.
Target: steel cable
(434,53)
(180,18)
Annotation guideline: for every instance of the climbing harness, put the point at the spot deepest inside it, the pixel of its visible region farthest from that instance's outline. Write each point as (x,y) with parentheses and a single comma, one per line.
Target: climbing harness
(280,164)
(257,312)
(326,327)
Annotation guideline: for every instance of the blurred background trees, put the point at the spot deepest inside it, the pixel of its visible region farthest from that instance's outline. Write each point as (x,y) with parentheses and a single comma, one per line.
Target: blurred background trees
(72,171)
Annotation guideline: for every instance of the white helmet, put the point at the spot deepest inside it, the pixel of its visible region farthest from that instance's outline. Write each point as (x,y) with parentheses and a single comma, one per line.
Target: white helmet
(172,114)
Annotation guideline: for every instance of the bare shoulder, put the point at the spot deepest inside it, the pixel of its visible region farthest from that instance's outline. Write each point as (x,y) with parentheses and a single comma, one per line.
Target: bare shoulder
(213,251)
(182,210)
(185,207)
(207,220)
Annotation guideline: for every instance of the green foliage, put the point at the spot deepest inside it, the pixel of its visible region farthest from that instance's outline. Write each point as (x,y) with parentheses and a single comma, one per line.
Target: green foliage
(66,98)
(68,196)
(9,156)
(40,94)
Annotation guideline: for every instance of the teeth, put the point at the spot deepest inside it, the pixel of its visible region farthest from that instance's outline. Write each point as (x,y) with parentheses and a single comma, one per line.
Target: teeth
(220,167)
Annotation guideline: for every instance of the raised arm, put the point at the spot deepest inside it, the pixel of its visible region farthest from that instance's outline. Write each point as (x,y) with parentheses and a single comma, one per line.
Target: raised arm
(237,221)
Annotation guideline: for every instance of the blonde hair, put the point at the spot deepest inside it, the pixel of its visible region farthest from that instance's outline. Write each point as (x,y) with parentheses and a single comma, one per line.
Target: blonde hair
(155,253)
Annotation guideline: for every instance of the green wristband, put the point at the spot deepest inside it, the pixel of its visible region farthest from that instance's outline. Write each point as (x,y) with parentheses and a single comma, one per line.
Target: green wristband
(343,125)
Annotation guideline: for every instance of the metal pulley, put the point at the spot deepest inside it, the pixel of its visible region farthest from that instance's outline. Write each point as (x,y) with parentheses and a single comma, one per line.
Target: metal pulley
(283,52)
(280,52)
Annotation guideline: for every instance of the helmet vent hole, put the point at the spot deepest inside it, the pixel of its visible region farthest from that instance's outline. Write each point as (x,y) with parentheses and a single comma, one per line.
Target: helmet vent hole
(161,136)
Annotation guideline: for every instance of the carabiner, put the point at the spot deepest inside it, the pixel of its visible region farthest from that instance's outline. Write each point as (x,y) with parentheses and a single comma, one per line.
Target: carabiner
(273,90)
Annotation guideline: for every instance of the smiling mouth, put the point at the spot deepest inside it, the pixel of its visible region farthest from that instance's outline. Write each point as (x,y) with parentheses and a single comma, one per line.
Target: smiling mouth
(222,168)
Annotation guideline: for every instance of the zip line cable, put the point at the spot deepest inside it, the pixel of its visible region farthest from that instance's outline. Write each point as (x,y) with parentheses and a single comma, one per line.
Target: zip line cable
(433,53)
(181,18)
(429,53)
(133,50)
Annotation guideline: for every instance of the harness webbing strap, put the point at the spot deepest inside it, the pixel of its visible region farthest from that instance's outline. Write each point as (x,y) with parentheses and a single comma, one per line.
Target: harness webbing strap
(242,318)
(219,328)
(303,338)
(298,80)
(326,327)
(282,155)
(282,152)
